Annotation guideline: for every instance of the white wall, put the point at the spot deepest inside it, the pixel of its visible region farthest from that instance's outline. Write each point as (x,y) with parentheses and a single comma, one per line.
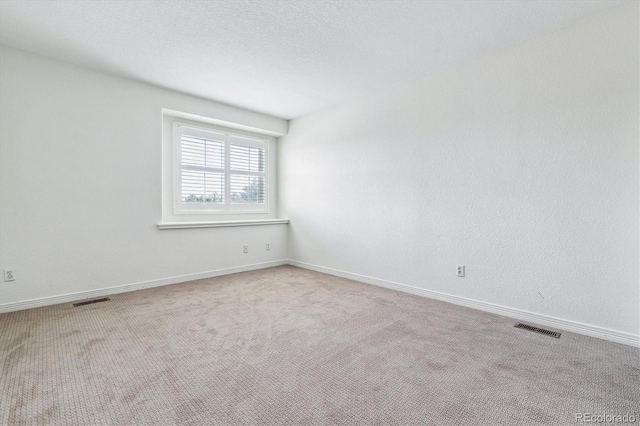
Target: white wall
(80,184)
(521,165)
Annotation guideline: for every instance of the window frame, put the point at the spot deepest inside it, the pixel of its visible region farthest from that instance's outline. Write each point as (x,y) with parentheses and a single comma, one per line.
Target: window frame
(228,207)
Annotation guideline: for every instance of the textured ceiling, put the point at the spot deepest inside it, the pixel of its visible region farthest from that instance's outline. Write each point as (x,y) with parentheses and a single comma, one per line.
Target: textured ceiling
(283,58)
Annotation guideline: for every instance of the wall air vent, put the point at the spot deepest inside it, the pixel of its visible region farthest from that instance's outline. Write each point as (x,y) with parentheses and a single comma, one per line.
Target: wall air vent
(538,330)
(89,302)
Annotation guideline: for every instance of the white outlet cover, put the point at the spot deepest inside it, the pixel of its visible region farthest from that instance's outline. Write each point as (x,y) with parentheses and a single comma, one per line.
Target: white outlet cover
(9,274)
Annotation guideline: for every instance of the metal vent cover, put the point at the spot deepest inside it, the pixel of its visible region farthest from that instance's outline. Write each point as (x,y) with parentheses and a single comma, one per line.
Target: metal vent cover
(538,330)
(89,302)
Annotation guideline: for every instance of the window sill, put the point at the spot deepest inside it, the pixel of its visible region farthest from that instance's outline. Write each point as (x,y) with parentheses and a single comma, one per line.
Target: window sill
(221,223)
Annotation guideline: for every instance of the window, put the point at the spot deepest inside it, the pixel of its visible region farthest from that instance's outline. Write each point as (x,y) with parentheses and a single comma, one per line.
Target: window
(218,171)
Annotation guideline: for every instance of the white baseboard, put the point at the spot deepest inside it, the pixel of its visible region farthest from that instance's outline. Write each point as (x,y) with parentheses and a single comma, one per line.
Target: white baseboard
(72,297)
(559,323)
(549,321)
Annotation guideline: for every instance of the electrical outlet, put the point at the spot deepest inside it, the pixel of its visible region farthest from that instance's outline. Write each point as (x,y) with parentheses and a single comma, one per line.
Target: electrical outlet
(245,248)
(9,274)
(460,270)
(268,246)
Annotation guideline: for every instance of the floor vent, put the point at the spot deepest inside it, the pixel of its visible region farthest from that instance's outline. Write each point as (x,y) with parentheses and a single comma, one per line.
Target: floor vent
(89,302)
(538,330)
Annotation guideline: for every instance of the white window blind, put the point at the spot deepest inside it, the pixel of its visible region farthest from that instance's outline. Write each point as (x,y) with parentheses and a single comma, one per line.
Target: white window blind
(246,171)
(219,171)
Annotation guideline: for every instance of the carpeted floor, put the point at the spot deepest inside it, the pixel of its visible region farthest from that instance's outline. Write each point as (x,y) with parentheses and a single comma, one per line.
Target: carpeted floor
(290,346)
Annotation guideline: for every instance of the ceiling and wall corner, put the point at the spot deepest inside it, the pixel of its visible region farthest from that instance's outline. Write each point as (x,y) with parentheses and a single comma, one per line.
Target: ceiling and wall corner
(281,58)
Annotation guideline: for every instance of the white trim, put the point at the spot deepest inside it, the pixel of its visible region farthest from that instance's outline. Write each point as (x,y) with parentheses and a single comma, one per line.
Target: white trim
(223,123)
(221,223)
(72,297)
(559,323)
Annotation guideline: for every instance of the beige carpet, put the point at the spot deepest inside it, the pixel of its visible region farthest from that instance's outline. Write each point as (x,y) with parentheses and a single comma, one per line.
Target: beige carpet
(290,346)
